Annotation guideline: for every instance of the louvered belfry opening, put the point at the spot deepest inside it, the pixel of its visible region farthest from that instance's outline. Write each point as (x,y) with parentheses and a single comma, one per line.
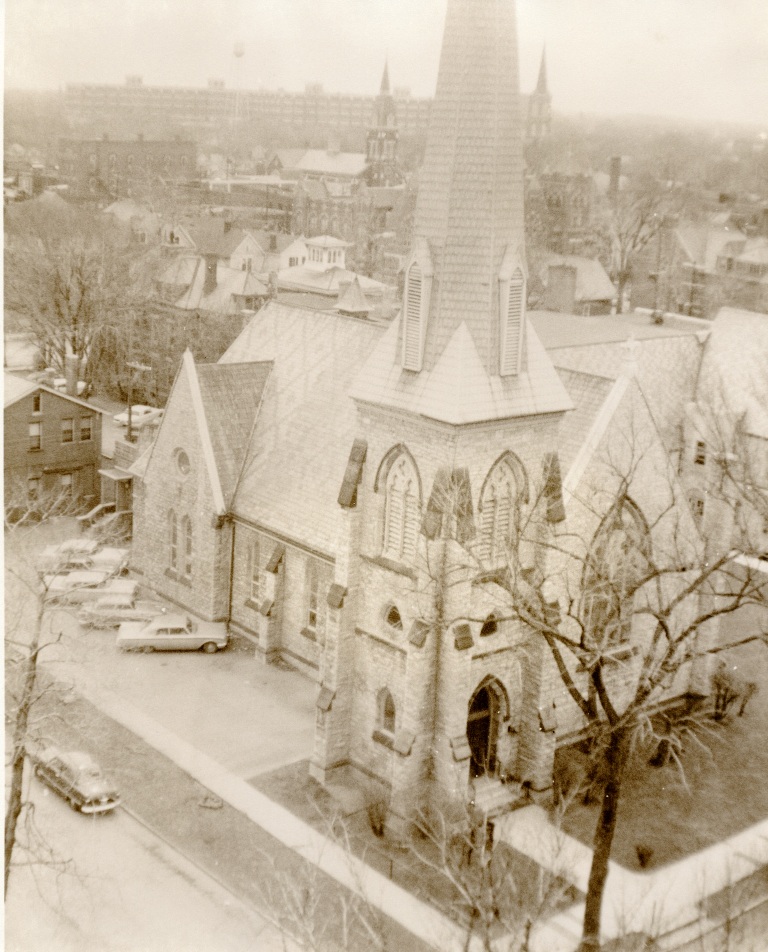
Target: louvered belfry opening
(412,314)
(469,210)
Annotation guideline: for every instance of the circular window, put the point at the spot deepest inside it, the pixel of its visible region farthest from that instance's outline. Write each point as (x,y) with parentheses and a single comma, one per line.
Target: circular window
(182,462)
(393,618)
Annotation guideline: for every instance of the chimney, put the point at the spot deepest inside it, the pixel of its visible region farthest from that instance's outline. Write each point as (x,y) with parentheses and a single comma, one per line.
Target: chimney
(560,294)
(211,263)
(273,242)
(227,226)
(71,365)
(614,179)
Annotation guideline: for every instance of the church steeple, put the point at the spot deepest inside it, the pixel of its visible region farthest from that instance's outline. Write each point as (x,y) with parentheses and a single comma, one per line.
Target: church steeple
(539,122)
(469,212)
(541,85)
(462,350)
(382,138)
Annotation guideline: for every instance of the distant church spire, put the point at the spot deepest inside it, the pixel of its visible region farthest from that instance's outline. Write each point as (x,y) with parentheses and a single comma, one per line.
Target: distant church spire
(539,124)
(385,79)
(541,85)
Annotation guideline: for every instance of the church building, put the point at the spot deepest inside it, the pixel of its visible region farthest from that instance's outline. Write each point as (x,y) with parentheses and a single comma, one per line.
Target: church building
(345,493)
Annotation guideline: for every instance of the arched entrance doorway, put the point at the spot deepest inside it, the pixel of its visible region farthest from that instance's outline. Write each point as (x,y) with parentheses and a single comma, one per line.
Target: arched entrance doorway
(483,718)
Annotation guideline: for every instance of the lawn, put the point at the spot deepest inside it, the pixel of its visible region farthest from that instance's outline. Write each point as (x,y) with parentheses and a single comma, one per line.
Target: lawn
(722,790)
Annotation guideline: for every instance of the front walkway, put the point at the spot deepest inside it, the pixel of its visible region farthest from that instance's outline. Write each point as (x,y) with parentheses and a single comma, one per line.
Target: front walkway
(661,901)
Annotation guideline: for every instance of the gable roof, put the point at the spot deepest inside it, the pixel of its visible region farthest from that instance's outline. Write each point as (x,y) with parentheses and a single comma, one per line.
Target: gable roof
(299,448)
(216,238)
(592,281)
(230,396)
(15,388)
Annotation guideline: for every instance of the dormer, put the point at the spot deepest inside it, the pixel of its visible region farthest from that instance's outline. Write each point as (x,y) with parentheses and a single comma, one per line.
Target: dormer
(512,291)
(416,295)
(326,252)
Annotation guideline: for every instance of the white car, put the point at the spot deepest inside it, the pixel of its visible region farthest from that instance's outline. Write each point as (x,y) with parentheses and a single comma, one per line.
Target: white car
(74,588)
(172,632)
(140,414)
(109,611)
(111,559)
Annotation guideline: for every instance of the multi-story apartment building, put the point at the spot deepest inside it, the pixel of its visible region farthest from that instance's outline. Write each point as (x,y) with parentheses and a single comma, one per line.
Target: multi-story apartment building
(89,104)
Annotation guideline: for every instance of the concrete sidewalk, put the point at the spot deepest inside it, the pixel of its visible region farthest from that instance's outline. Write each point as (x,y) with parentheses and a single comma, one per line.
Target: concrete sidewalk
(417,917)
(657,902)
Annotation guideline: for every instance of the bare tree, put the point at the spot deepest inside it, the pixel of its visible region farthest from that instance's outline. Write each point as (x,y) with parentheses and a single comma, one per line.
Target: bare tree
(27,637)
(626,609)
(634,218)
(68,275)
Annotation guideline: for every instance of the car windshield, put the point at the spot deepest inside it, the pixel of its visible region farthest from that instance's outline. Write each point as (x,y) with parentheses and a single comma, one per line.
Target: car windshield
(91,772)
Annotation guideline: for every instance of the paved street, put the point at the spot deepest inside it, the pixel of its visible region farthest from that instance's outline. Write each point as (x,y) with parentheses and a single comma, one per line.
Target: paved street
(120,888)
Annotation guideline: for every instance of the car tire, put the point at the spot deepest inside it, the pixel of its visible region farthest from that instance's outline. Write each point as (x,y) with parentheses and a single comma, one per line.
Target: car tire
(210,647)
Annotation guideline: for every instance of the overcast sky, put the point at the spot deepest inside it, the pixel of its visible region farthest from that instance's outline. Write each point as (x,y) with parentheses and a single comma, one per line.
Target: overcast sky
(703,59)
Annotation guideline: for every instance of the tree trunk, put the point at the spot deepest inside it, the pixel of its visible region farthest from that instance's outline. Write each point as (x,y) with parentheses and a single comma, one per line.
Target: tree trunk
(614,760)
(21,722)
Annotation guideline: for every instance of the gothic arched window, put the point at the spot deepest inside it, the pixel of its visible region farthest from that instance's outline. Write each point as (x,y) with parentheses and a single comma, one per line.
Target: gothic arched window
(499,510)
(385,713)
(173,541)
(617,563)
(401,510)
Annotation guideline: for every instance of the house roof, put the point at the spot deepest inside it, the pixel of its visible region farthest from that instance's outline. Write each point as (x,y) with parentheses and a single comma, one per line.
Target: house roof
(15,388)
(213,236)
(306,424)
(558,330)
(327,241)
(703,244)
(230,283)
(329,281)
(592,281)
(322,162)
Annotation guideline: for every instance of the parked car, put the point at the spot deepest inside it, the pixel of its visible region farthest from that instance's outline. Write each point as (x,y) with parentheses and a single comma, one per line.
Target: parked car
(73,588)
(76,777)
(172,632)
(140,415)
(53,556)
(109,611)
(111,559)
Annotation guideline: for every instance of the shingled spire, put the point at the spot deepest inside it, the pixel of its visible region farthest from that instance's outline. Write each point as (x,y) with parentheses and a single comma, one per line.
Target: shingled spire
(463,350)
(385,79)
(541,85)
(469,212)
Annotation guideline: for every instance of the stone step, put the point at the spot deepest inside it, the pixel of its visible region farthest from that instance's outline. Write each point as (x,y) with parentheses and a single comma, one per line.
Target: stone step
(493,796)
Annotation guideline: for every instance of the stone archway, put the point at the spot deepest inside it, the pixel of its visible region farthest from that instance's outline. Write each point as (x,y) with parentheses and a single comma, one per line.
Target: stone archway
(486,710)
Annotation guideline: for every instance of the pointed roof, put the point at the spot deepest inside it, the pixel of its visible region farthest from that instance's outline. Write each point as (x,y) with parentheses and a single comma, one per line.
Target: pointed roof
(541,85)
(470,201)
(352,300)
(384,90)
(224,400)
(468,238)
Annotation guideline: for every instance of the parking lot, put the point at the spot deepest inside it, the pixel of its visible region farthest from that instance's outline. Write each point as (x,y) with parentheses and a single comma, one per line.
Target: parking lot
(248,716)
